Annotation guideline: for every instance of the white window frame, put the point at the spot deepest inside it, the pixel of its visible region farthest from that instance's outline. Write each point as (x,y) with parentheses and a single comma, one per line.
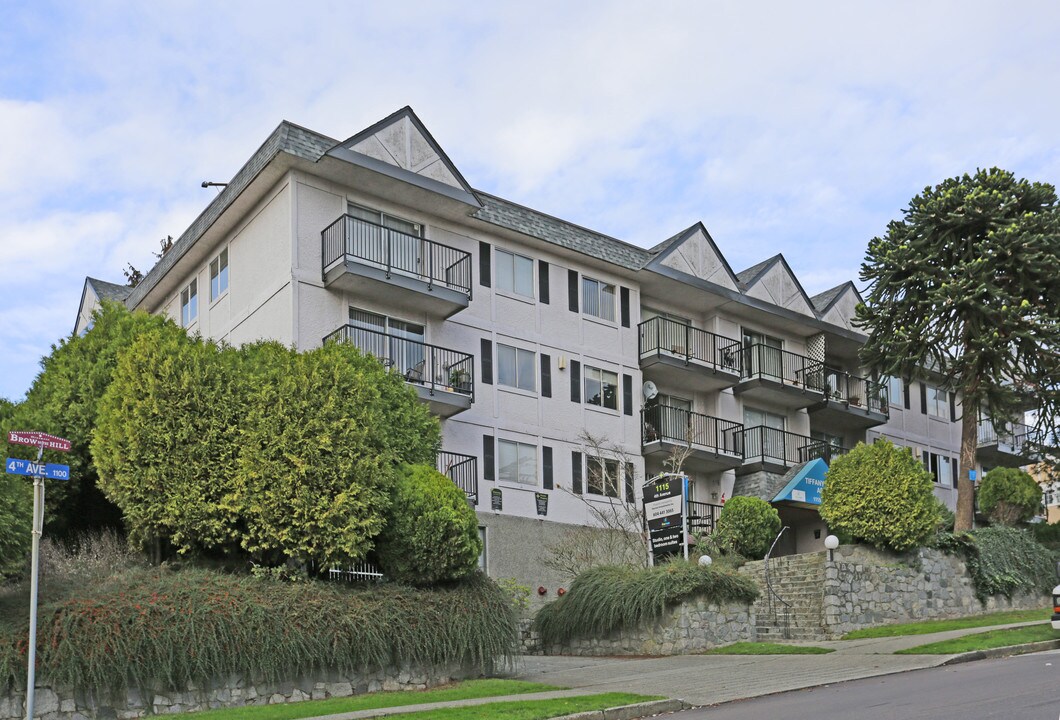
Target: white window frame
(602,296)
(219,272)
(527,475)
(189,304)
(520,381)
(936,407)
(609,483)
(507,264)
(896,391)
(595,374)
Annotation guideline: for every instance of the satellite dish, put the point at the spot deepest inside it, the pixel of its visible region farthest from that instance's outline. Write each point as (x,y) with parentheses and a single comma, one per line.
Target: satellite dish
(649,390)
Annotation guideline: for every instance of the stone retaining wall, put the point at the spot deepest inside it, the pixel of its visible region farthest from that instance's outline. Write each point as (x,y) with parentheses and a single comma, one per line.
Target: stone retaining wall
(866,587)
(67,704)
(692,626)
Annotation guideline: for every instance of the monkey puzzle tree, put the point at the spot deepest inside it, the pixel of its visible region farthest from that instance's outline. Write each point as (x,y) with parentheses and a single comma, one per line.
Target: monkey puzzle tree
(967,285)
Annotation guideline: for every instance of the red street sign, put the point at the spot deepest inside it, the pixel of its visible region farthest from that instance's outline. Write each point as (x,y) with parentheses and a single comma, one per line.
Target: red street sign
(37,439)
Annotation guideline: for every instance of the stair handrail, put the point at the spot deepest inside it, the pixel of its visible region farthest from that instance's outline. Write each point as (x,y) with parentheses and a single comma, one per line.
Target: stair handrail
(770,592)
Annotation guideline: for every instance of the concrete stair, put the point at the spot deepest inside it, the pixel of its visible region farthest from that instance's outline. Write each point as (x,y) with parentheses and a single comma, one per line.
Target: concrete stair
(798,582)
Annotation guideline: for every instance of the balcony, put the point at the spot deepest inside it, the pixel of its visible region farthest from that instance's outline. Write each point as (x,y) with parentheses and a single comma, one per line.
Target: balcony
(773,450)
(780,377)
(443,378)
(688,357)
(396,268)
(710,443)
(1012,446)
(851,401)
(462,470)
(702,517)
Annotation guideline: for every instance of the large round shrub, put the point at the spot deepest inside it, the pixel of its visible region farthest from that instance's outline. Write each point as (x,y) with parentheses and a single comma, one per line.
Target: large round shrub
(1009,495)
(749,524)
(431,533)
(880,494)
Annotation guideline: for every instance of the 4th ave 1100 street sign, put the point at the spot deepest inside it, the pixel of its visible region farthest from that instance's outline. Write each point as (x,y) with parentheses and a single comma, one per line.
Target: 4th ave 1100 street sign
(51,471)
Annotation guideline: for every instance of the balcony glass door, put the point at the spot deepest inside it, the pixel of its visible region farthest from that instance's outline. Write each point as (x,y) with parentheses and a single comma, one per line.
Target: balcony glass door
(763,355)
(674,418)
(767,440)
(399,344)
(389,241)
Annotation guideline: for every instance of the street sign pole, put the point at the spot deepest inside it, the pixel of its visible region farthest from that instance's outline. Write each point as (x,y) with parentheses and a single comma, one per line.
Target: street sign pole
(38,528)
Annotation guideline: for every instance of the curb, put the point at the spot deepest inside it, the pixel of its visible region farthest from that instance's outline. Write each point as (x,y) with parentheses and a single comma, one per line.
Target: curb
(1004,651)
(630,712)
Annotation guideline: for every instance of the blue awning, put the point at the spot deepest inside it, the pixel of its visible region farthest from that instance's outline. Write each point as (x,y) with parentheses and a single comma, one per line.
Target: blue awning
(806,484)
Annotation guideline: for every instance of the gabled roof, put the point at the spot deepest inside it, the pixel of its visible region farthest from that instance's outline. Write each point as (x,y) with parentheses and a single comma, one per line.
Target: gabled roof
(506,214)
(693,264)
(286,138)
(824,301)
(108,291)
(749,276)
(753,276)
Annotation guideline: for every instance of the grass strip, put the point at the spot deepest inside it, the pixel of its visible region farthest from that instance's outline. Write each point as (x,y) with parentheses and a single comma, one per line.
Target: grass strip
(466,690)
(766,648)
(933,626)
(986,640)
(532,709)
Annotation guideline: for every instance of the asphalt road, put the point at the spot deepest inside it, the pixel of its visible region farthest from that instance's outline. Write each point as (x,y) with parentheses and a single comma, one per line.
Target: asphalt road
(1025,687)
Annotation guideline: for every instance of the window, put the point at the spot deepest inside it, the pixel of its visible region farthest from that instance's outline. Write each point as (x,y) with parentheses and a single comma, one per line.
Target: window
(938,402)
(189,304)
(896,391)
(603,477)
(763,355)
(515,273)
(515,367)
(397,343)
(516,462)
(398,251)
(389,221)
(601,388)
(940,467)
(219,275)
(598,299)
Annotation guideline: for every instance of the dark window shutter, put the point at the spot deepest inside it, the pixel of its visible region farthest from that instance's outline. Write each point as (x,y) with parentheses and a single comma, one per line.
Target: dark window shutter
(546,466)
(955,471)
(905,393)
(576,472)
(487,361)
(627,394)
(623,301)
(542,281)
(546,375)
(484,263)
(572,290)
(488,463)
(927,460)
(631,496)
(923,399)
(953,407)
(575,381)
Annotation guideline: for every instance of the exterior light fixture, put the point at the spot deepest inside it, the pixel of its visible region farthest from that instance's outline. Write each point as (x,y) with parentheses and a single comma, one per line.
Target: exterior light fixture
(705,561)
(831,542)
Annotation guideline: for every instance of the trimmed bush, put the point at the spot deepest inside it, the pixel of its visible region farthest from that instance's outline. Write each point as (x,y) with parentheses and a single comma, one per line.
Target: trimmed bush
(431,533)
(1009,495)
(748,525)
(149,629)
(1003,561)
(607,598)
(880,494)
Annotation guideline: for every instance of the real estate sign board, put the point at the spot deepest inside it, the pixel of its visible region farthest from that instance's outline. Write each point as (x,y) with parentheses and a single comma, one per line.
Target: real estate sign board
(664,514)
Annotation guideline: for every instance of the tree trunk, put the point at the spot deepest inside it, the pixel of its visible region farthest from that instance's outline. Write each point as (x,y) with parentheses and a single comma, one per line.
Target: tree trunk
(965,514)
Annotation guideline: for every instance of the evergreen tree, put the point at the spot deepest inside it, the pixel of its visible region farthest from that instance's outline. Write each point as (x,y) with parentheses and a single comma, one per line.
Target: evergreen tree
(966,285)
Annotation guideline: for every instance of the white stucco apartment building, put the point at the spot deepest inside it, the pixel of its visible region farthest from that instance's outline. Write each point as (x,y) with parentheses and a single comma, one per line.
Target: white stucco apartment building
(523,332)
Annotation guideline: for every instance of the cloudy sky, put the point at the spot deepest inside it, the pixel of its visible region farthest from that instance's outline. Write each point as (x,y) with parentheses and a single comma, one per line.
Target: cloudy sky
(799,128)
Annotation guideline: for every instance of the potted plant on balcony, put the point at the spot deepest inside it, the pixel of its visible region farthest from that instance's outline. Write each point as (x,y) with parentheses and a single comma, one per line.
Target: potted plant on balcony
(459,379)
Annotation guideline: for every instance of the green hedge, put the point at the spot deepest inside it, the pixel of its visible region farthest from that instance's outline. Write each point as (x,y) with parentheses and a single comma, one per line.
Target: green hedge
(607,598)
(1003,561)
(160,628)
(749,525)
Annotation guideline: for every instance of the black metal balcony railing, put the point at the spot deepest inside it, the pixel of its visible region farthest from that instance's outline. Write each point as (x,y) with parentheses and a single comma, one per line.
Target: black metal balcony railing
(766,444)
(1016,435)
(858,391)
(771,363)
(702,517)
(396,252)
(661,335)
(430,366)
(697,431)
(462,470)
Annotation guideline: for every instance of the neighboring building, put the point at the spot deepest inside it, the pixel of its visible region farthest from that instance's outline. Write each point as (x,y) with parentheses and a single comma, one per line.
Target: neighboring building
(1050,484)
(524,332)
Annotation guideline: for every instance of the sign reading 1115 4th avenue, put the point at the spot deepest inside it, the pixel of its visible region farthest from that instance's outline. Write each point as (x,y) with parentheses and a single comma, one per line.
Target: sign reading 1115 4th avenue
(664,513)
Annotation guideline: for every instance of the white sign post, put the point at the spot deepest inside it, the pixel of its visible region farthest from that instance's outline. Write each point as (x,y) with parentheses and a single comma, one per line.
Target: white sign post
(38,471)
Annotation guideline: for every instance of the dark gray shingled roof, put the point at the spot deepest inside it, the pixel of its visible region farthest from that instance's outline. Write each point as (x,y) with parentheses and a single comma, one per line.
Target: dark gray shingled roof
(748,276)
(503,213)
(109,291)
(824,300)
(287,137)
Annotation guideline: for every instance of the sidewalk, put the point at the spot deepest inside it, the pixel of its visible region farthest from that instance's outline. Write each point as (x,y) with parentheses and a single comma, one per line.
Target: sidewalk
(710,679)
